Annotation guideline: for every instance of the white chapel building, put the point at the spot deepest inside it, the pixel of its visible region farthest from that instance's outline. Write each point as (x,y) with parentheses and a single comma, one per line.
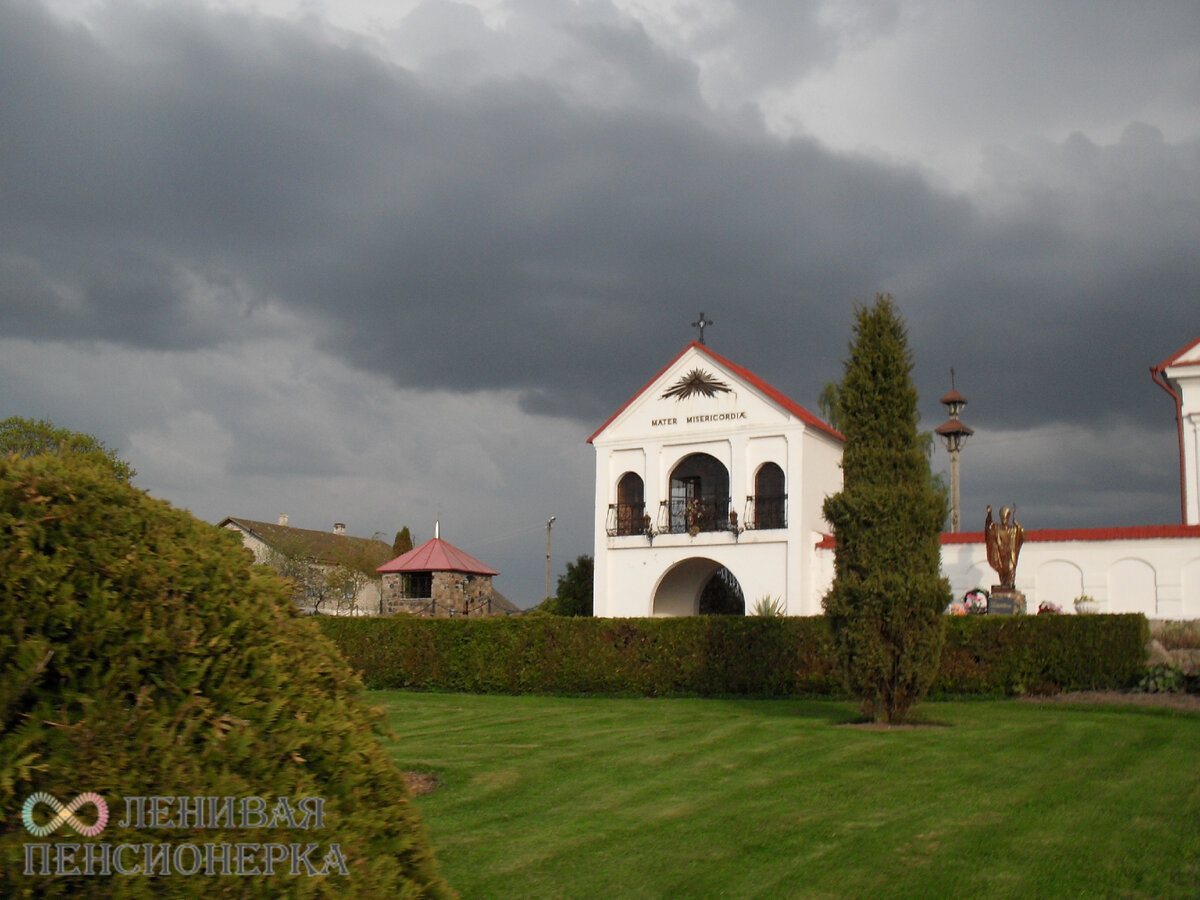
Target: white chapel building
(709,473)
(706,472)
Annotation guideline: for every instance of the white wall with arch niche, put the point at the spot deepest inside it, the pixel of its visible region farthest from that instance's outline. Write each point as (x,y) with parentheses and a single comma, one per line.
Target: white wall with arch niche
(1059,582)
(1132,583)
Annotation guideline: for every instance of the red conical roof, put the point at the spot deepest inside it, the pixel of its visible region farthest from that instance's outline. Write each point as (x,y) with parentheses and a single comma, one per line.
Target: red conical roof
(954,426)
(954,397)
(437,555)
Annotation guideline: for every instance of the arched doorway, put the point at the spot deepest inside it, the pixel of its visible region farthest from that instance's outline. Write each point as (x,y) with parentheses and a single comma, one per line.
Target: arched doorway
(699,495)
(722,595)
(698,586)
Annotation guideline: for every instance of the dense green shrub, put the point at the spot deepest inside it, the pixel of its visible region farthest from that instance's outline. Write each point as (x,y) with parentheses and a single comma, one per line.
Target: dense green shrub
(705,655)
(142,654)
(719,655)
(1041,654)
(885,606)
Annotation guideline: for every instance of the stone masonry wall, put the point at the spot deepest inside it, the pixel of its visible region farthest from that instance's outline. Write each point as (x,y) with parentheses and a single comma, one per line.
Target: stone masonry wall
(453,593)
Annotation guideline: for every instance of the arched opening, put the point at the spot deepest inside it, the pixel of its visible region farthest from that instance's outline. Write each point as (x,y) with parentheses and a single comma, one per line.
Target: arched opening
(699,495)
(631,505)
(722,595)
(1133,588)
(770,498)
(1059,582)
(698,586)
(1190,580)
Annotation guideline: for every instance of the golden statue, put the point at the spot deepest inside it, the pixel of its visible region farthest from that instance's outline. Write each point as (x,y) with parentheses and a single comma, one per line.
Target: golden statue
(1004,542)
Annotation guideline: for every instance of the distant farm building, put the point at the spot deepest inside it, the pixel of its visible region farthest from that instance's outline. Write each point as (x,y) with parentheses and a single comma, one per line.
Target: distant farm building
(331,572)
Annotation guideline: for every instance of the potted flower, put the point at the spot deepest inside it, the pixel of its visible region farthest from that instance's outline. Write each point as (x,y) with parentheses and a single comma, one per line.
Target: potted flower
(976,602)
(1086,606)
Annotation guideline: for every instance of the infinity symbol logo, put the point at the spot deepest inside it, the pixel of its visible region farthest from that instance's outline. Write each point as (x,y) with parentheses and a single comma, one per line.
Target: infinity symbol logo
(64,814)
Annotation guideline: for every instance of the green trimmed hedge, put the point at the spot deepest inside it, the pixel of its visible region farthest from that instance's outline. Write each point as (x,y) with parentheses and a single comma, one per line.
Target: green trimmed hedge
(1042,654)
(720,655)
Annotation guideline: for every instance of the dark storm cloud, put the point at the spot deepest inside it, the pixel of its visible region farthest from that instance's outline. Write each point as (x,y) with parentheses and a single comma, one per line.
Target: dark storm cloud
(1066,297)
(772,43)
(170,170)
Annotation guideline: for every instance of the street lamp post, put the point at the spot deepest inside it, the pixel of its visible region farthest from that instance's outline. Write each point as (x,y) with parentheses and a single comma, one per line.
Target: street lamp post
(548,525)
(954,434)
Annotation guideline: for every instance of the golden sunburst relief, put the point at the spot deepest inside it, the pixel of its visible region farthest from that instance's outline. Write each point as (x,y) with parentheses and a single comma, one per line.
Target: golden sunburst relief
(695,382)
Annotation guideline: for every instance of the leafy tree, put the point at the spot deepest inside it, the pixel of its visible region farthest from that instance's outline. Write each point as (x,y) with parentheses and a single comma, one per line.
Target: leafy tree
(354,565)
(403,542)
(142,653)
(330,583)
(34,437)
(885,606)
(290,557)
(573,596)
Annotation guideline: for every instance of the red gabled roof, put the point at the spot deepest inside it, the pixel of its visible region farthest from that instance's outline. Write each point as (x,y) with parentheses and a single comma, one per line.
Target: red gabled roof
(436,555)
(746,375)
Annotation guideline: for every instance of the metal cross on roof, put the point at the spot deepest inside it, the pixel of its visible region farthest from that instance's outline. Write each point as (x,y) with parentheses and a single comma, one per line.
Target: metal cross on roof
(701,323)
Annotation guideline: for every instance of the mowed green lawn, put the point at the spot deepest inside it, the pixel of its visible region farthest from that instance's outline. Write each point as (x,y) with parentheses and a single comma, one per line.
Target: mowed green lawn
(551,797)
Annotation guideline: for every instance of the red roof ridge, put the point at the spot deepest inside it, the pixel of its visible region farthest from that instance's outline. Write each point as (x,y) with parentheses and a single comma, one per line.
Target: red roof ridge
(746,375)
(1171,360)
(1120,533)
(1047,535)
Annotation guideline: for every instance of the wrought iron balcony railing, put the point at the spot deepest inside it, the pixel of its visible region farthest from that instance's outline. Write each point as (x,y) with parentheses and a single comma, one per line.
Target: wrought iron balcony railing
(627,518)
(694,516)
(765,512)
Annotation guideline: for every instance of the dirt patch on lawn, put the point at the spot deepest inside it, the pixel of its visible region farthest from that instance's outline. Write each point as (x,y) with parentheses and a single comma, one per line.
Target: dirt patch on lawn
(917,724)
(1183,702)
(885,726)
(420,783)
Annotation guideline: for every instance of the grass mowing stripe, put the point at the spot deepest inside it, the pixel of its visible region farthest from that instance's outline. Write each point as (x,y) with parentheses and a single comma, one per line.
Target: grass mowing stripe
(590,797)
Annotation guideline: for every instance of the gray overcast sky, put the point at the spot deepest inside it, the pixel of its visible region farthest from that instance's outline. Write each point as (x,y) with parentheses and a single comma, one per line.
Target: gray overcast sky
(384,263)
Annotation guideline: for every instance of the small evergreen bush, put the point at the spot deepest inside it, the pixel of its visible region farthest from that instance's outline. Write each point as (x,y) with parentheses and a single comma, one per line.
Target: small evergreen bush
(142,654)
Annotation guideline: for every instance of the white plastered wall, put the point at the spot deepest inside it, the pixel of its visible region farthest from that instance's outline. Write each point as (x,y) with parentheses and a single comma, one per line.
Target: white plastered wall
(1159,577)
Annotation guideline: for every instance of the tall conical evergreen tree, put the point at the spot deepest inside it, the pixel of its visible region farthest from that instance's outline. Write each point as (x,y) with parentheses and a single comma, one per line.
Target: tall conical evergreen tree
(403,542)
(885,607)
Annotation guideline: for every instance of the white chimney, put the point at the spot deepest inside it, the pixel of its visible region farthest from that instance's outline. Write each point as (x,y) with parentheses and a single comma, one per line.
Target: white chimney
(283,519)
(339,527)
